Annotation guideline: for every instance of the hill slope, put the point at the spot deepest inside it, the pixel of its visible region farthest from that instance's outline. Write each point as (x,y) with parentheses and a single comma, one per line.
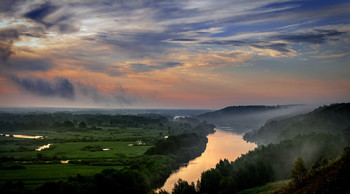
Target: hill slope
(332,178)
(329,119)
(245,118)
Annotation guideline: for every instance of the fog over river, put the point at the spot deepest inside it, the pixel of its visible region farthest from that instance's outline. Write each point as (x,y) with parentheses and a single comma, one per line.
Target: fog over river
(222,144)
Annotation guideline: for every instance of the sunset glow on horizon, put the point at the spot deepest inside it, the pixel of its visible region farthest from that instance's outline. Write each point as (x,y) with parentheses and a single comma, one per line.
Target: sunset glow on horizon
(173,54)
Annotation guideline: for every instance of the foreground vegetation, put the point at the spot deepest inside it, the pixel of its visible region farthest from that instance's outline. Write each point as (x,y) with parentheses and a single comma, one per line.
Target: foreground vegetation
(329,178)
(123,153)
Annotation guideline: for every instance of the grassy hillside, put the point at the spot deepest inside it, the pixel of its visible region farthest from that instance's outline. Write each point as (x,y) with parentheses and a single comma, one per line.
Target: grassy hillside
(327,119)
(331,178)
(269,188)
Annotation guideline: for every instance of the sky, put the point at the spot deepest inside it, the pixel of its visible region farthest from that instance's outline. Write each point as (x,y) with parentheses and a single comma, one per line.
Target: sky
(173,54)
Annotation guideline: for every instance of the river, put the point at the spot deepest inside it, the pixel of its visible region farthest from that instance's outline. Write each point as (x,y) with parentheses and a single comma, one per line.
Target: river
(221,145)
(23,136)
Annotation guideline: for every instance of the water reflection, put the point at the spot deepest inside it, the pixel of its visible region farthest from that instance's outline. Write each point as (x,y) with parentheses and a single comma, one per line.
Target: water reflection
(23,136)
(221,145)
(43,147)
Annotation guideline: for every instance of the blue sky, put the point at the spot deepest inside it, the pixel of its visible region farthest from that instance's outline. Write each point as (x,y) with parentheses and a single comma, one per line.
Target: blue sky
(173,54)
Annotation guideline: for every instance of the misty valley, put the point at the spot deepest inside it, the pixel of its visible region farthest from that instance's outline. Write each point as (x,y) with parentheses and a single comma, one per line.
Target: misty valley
(237,149)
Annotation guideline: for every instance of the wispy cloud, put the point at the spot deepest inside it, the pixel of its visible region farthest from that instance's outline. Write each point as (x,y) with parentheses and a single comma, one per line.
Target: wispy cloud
(331,56)
(314,37)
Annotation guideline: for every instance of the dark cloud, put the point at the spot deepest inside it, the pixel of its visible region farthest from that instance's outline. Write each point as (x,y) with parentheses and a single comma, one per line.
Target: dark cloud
(229,42)
(5,51)
(60,87)
(139,67)
(122,98)
(6,41)
(39,13)
(9,34)
(314,37)
(91,92)
(66,28)
(31,64)
(63,24)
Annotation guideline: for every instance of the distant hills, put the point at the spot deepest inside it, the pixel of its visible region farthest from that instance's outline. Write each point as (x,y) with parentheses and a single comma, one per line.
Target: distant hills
(328,119)
(106,111)
(244,118)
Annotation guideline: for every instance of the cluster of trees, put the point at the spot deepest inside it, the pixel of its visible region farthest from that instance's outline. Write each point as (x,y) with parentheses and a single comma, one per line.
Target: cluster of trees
(108,181)
(182,148)
(17,121)
(138,120)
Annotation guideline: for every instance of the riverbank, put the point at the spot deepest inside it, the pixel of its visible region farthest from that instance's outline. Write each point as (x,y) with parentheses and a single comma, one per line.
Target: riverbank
(221,144)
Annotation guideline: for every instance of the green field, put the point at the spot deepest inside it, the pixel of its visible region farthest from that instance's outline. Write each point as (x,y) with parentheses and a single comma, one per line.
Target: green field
(124,153)
(117,144)
(73,150)
(36,174)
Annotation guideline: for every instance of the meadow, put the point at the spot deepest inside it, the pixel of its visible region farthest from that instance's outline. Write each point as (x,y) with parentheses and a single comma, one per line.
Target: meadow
(67,147)
(21,162)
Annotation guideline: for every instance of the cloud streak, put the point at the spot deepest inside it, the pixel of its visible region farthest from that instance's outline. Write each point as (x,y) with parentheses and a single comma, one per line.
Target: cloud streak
(314,37)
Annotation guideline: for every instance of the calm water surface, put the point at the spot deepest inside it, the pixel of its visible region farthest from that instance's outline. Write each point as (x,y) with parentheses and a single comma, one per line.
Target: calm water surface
(221,145)
(24,136)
